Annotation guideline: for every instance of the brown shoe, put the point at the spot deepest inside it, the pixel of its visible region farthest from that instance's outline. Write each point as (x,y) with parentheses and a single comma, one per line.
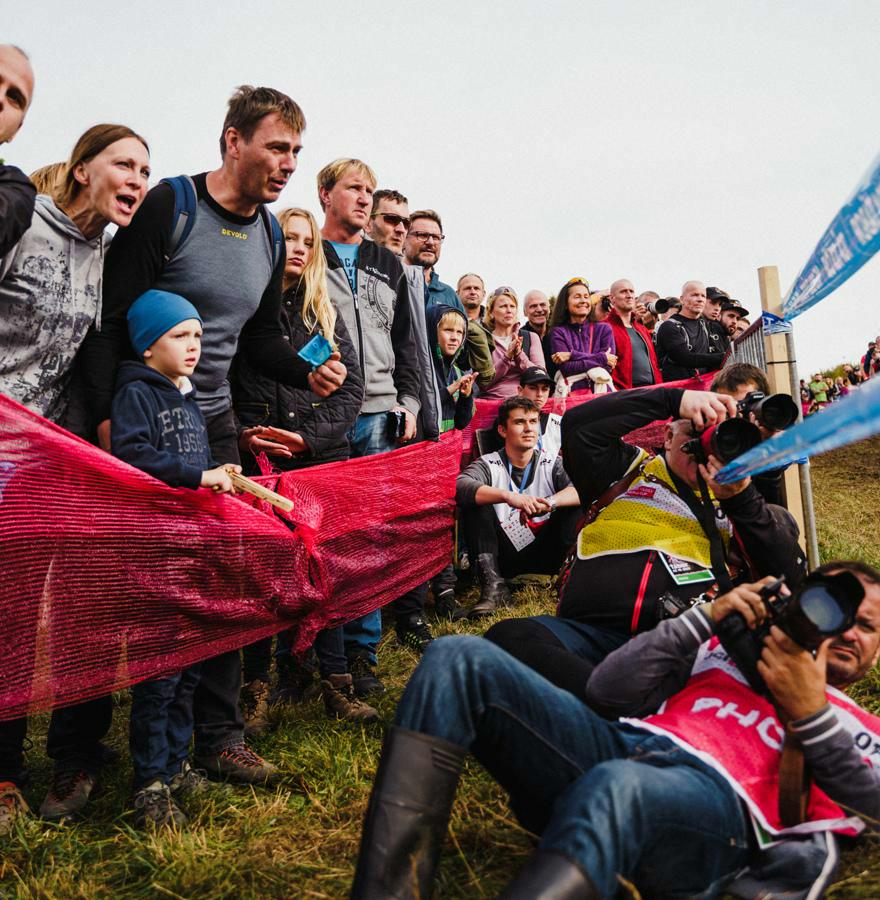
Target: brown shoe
(255,707)
(341,703)
(12,805)
(240,764)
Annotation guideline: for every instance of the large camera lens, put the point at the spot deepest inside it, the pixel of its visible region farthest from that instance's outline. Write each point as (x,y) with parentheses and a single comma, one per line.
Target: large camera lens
(730,439)
(824,607)
(777,412)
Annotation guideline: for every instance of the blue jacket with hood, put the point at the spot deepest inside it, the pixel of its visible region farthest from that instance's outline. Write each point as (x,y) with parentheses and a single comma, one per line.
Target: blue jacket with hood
(455,412)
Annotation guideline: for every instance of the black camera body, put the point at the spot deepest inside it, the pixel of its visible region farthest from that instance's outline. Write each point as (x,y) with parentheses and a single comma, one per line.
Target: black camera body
(726,441)
(824,606)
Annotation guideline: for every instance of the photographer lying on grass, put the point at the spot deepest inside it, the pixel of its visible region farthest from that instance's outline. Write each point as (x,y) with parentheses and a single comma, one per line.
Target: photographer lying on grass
(675,800)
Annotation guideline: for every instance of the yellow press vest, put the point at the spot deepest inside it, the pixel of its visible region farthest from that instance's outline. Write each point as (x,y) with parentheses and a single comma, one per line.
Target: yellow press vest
(650,515)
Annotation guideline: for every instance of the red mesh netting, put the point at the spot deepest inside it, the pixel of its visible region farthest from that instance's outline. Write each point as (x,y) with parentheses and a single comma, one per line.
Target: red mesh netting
(110,576)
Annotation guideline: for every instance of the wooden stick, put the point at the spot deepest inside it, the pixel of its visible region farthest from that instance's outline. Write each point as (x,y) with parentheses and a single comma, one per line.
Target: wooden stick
(242,483)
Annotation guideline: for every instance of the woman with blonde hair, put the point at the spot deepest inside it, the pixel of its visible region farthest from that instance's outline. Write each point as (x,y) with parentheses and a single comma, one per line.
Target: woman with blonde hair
(50,296)
(512,351)
(296,428)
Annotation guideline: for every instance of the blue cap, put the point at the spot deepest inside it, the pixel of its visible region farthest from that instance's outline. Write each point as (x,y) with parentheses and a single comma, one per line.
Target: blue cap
(154,313)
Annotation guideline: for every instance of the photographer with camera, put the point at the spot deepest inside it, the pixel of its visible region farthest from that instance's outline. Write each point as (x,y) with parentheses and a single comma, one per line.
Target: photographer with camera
(684,345)
(680,797)
(659,531)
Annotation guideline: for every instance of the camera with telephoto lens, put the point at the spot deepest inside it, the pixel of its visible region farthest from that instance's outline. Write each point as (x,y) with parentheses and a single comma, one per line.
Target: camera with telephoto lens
(658,307)
(824,606)
(776,412)
(725,441)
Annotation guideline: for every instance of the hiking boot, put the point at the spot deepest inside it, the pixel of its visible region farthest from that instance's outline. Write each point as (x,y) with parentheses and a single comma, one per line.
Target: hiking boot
(493,588)
(12,805)
(341,702)
(446,606)
(363,675)
(188,781)
(68,794)
(154,808)
(298,680)
(413,632)
(240,764)
(255,707)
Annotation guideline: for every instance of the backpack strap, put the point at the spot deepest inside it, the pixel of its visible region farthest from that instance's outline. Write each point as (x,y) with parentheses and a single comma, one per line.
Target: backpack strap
(527,342)
(185,202)
(276,236)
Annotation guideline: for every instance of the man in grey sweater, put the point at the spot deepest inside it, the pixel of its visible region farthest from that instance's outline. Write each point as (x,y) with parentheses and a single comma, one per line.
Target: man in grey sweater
(677,799)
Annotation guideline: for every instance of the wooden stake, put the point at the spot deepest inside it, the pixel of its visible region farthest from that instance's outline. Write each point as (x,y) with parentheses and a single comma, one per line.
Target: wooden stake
(242,483)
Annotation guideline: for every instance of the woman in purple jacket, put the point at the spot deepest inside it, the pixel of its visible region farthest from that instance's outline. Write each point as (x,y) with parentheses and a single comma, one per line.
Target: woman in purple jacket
(578,345)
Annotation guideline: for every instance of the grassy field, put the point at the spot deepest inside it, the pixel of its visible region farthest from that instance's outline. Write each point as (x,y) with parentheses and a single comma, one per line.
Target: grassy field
(301,839)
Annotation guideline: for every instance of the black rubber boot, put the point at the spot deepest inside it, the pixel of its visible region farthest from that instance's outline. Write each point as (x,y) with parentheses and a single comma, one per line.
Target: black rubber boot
(407,816)
(493,588)
(551,876)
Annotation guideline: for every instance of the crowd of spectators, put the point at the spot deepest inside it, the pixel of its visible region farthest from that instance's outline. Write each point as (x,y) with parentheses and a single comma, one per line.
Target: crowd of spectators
(190,347)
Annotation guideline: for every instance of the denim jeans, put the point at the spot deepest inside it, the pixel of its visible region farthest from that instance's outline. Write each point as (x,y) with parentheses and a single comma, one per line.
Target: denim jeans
(616,799)
(161,726)
(367,437)
(329,649)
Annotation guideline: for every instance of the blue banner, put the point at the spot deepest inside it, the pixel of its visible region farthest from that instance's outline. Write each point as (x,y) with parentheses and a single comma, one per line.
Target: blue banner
(848,243)
(852,419)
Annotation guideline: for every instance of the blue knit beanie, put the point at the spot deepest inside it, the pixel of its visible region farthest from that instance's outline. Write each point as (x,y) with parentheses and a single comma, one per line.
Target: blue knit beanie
(154,313)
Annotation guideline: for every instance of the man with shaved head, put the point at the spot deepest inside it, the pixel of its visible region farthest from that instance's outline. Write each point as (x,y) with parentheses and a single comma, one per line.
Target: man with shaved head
(684,346)
(636,361)
(17,194)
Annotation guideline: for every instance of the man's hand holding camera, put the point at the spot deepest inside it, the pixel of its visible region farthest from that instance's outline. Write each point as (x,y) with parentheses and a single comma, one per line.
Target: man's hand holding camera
(710,469)
(705,409)
(794,677)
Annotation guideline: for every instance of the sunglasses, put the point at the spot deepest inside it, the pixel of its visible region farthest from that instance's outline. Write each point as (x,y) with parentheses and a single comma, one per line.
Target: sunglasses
(393,220)
(500,291)
(578,280)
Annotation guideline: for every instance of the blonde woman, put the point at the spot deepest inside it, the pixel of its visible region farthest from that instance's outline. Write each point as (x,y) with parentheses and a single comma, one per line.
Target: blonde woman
(296,428)
(512,352)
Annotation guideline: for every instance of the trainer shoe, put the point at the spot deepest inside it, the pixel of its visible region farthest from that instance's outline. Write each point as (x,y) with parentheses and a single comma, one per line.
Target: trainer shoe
(446,606)
(240,764)
(68,794)
(255,707)
(12,805)
(188,781)
(414,633)
(363,674)
(154,808)
(341,702)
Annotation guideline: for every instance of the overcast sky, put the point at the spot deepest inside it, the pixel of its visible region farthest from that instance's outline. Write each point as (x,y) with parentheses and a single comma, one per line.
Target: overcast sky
(655,141)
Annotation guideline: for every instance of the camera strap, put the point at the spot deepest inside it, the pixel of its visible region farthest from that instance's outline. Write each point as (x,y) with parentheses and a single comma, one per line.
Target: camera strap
(704,512)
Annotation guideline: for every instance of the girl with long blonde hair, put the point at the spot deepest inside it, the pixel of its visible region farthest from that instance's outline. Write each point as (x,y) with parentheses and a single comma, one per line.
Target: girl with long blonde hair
(295,428)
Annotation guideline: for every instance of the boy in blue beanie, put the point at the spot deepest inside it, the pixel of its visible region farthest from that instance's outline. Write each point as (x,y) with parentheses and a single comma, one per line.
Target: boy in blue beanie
(158,427)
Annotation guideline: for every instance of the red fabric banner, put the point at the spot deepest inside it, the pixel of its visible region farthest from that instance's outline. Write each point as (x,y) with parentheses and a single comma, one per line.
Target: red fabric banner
(111,577)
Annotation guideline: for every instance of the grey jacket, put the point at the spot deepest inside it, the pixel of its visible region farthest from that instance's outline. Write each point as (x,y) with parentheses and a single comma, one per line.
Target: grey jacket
(50,294)
(636,679)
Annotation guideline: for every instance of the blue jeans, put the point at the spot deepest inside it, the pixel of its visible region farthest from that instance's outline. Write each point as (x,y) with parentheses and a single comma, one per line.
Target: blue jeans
(367,437)
(161,726)
(613,798)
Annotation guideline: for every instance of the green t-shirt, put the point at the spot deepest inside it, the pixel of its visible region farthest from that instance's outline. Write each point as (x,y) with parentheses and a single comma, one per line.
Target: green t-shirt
(818,388)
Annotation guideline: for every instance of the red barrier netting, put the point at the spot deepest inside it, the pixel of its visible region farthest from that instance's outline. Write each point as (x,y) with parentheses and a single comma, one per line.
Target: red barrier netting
(111,577)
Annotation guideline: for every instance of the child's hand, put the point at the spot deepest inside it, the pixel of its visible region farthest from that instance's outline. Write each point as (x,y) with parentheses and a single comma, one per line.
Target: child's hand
(466,383)
(218,479)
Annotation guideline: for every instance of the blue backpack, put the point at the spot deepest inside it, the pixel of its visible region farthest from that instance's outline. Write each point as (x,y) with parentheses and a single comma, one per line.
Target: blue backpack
(185,203)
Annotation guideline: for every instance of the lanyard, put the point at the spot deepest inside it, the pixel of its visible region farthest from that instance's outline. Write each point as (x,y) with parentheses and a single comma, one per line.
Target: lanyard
(525,476)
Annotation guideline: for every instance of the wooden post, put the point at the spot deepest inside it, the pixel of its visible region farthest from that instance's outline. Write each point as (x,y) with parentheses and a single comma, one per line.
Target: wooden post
(779,376)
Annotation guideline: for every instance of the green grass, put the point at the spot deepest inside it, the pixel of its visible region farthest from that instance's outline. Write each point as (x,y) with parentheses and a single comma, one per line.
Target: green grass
(301,839)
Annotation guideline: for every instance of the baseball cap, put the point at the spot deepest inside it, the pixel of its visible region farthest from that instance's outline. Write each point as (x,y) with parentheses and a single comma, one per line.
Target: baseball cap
(735,305)
(714,294)
(534,375)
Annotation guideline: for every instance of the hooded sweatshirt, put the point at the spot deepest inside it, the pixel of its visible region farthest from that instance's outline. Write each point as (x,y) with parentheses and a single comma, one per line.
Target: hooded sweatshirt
(50,294)
(159,428)
(456,411)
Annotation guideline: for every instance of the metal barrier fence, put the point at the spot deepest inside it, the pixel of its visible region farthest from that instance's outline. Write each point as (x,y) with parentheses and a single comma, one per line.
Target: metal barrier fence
(774,354)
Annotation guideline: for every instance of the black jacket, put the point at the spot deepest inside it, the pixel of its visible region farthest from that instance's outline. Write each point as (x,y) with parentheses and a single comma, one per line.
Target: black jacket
(682,356)
(322,422)
(17,197)
(605,591)
(157,429)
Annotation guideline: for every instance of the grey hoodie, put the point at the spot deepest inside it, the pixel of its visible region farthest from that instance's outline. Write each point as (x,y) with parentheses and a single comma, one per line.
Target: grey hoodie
(50,294)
